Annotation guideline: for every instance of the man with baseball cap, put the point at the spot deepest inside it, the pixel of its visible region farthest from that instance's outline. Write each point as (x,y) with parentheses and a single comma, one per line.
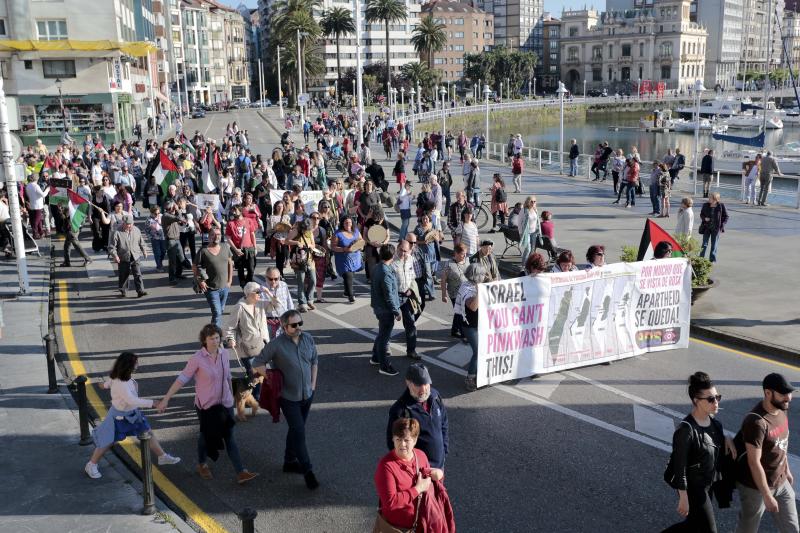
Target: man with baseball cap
(423,403)
(766,482)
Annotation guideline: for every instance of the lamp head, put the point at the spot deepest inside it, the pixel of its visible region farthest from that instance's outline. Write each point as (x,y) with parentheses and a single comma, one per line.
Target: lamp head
(443,91)
(413,92)
(698,86)
(486,90)
(59,83)
(561,89)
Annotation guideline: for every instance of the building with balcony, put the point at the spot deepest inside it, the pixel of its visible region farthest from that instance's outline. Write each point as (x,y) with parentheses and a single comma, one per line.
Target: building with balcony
(468,29)
(618,50)
(518,23)
(791,34)
(755,42)
(105,88)
(548,69)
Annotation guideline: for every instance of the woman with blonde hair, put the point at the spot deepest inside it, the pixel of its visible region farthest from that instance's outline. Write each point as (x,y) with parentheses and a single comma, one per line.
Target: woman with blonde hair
(530,229)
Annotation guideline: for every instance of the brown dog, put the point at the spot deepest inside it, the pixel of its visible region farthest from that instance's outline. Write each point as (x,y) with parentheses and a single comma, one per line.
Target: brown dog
(243,396)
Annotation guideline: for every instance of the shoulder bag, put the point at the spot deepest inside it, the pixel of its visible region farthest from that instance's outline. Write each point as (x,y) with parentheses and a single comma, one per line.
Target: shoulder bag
(382,526)
(298,260)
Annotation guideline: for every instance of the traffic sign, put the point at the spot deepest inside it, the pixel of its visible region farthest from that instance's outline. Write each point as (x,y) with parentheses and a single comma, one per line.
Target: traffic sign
(303,99)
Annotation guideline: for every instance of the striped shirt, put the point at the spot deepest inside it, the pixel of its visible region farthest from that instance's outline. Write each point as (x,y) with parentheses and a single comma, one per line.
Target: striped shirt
(276,301)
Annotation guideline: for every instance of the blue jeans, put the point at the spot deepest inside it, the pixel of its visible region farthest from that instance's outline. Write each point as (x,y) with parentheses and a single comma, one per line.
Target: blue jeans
(573,167)
(380,348)
(476,197)
(176,259)
(446,196)
(405,217)
(430,269)
(410,327)
(472,339)
(159,251)
(305,295)
(630,193)
(216,301)
(296,414)
(230,446)
(655,199)
(714,238)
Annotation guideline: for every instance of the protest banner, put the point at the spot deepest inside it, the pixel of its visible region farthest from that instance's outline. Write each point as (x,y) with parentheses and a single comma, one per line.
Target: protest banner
(310,199)
(553,322)
(205,200)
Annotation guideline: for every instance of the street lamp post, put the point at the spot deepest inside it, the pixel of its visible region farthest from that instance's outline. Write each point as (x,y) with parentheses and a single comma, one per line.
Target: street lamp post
(412,93)
(486,93)
(59,83)
(419,98)
(534,86)
(359,74)
(698,88)
(501,91)
(300,78)
(584,89)
(561,92)
(336,92)
(639,89)
(403,101)
(280,88)
(444,92)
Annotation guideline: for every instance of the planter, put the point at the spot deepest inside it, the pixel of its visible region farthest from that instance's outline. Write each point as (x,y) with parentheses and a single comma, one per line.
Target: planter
(699,291)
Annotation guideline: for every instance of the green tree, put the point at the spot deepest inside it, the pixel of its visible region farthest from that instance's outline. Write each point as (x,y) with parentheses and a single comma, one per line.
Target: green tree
(429,37)
(386,12)
(293,17)
(311,60)
(335,23)
(418,74)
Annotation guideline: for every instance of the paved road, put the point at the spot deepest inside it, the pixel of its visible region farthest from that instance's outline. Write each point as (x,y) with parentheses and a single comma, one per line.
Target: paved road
(574,451)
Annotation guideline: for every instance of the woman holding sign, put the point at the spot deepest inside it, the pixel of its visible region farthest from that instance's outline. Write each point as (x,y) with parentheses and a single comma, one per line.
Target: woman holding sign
(467,307)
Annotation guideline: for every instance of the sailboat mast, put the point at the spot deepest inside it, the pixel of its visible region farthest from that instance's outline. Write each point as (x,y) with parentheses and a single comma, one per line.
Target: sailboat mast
(769,61)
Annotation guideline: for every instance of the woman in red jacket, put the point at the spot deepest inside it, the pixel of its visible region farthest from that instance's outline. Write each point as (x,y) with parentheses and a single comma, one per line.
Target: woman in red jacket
(402,476)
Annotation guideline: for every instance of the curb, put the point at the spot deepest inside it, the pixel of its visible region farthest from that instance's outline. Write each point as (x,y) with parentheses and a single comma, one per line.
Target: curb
(269,123)
(766,349)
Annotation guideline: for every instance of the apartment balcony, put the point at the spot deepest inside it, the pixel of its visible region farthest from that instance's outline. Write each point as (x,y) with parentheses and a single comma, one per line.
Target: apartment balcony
(160,31)
(625,60)
(665,59)
(573,61)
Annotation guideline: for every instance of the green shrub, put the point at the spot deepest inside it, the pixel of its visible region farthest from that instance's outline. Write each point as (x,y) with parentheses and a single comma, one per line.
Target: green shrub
(629,254)
(701,267)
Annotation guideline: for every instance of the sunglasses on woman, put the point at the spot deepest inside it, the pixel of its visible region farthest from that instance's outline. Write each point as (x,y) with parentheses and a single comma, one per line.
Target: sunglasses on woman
(712,399)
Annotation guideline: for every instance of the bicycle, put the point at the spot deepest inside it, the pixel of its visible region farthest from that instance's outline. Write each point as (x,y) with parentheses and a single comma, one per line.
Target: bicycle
(483,212)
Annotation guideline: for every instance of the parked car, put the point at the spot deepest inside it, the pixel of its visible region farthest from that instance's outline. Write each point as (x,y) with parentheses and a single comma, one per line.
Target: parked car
(594,93)
(198,112)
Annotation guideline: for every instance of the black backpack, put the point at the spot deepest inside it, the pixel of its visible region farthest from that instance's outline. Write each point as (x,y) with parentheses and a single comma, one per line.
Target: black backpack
(500,196)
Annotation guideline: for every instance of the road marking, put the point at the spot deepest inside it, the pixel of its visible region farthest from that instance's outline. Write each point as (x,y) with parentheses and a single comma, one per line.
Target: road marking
(210,122)
(343,308)
(191,509)
(458,354)
(653,424)
(543,386)
(746,354)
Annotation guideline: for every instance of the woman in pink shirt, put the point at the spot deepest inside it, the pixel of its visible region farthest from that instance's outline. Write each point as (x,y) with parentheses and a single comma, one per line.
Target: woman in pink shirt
(210,368)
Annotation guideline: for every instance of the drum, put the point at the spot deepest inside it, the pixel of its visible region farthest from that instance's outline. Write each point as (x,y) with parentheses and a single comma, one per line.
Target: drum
(358,245)
(282,227)
(432,235)
(377,234)
(318,252)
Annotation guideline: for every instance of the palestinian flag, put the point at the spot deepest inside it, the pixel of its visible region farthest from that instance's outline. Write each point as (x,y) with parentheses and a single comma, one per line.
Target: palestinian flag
(187,146)
(78,210)
(165,171)
(652,235)
(58,196)
(209,176)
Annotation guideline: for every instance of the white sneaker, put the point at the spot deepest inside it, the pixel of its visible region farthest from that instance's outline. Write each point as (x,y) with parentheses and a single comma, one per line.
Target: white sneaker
(167,459)
(92,471)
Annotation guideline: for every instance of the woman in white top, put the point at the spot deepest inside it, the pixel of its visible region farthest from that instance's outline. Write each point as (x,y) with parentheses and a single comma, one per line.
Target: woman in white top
(246,329)
(751,180)
(529,228)
(97,173)
(404,200)
(469,232)
(685,217)
(124,418)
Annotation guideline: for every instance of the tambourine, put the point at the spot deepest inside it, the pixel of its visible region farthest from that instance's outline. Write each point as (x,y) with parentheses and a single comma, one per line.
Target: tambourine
(358,245)
(377,234)
(317,252)
(431,236)
(282,227)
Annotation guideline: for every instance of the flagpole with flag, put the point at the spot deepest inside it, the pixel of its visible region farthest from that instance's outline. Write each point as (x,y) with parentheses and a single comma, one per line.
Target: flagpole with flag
(651,236)
(165,171)
(78,210)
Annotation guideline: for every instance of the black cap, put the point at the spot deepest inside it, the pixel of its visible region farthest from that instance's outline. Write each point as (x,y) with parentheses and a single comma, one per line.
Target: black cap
(487,243)
(777,383)
(418,374)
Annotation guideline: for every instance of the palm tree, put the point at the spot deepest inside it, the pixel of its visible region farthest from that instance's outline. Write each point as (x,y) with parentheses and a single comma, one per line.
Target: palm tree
(337,22)
(387,12)
(292,16)
(429,37)
(311,62)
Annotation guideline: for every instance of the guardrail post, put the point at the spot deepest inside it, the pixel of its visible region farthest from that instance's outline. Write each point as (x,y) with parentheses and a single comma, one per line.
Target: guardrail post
(248,516)
(540,159)
(549,157)
(148,499)
(717,179)
(83,411)
(743,187)
(50,341)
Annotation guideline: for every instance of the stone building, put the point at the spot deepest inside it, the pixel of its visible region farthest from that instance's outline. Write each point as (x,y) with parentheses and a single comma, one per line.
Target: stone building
(469,30)
(622,51)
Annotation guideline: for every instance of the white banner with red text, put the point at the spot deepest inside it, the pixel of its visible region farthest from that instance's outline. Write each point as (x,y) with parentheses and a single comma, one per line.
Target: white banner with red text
(553,322)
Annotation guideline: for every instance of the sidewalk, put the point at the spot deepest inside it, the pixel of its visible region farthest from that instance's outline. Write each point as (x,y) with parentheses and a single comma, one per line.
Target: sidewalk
(42,485)
(754,303)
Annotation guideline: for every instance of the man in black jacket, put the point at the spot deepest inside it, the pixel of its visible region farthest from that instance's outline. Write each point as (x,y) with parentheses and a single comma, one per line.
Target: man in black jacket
(607,151)
(707,171)
(423,403)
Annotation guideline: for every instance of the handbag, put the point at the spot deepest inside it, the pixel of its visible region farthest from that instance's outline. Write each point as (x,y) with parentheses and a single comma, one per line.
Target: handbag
(298,259)
(382,526)
(703,228)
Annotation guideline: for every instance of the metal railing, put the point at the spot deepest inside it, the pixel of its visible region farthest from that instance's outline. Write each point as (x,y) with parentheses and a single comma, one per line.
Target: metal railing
(730,186)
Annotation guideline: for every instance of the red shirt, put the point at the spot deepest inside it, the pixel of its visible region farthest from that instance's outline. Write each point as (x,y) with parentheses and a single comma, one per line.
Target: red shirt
(394,482)
(548,229)
(241,232)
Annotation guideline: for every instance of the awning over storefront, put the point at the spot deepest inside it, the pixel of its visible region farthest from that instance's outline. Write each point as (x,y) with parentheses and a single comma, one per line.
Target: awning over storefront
(134,48)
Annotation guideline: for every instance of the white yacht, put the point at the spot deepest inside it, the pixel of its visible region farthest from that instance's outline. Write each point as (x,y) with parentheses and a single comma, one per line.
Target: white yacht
(787,155)
(721,106)
(774,121)
(688,126)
